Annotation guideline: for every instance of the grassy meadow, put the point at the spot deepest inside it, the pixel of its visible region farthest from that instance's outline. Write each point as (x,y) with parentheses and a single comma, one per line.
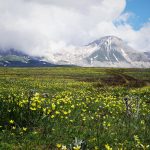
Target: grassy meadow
(73,108)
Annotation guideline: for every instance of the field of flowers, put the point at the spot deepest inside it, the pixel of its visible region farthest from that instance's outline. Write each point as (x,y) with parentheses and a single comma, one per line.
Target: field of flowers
(74,109)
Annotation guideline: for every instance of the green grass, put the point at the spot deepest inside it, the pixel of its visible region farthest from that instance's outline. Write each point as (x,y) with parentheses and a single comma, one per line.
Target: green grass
(74,108)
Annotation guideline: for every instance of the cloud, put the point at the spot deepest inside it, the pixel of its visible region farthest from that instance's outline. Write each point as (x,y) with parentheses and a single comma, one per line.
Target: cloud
(42,27)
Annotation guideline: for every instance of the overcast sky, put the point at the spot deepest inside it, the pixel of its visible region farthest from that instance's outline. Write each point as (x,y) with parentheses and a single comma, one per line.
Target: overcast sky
(46,26)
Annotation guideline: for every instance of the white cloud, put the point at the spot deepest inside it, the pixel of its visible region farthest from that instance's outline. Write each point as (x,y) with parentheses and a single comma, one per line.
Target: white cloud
(45,26)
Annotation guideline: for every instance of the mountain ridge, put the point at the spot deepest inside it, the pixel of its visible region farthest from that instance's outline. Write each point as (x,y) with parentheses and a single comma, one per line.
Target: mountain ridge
(108,51)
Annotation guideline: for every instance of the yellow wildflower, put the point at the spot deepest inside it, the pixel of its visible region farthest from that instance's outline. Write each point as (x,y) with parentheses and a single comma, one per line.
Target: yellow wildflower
(58,145)
(32,108)
(77,147)
(65,112)
(57,112)
(52,116)
(72,106)
(53,106)
(24,129)
(13,127)
(108,147)
(64,147)
(11,121)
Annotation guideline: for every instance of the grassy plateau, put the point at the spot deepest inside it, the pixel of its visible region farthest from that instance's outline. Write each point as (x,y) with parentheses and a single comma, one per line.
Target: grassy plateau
(73,108)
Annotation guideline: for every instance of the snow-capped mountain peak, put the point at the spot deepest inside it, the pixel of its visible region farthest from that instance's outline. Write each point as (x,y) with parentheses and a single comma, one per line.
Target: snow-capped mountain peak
(108,51)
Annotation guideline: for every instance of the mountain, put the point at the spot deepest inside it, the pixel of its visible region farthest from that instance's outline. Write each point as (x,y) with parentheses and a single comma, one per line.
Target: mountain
(113,51)
(14,58)
(108,51)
